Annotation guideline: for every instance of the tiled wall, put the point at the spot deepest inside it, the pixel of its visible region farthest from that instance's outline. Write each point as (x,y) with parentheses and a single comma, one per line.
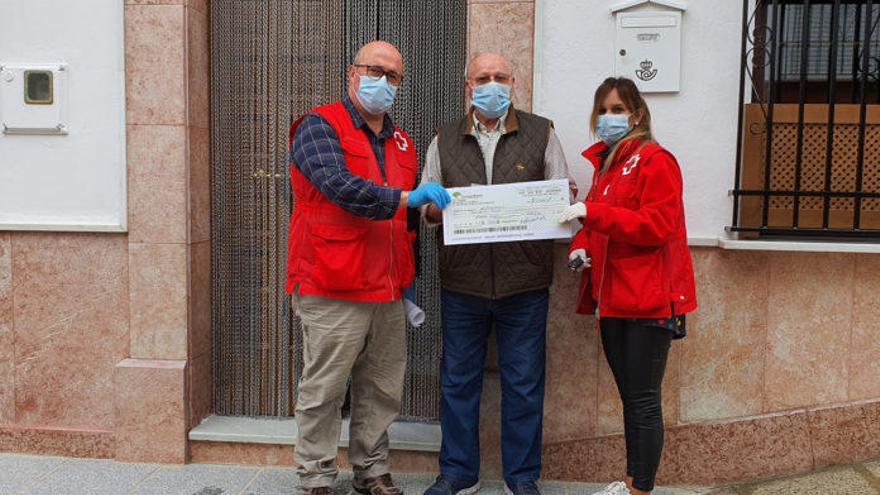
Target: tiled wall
(167,70)
(74,306)
(63,326)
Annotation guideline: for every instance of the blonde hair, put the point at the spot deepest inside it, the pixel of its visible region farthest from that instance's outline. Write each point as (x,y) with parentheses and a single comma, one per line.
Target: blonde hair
(631,97)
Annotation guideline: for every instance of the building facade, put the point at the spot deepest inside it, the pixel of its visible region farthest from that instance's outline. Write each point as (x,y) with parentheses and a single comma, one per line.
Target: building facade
(106,341)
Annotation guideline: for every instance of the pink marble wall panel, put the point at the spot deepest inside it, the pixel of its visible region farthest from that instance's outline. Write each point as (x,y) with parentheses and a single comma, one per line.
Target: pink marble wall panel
(750,449)
(197,68)
(609,408)
(95,444)
(157,186)
(158,301)
(695,454)
(200,299)
(155,64)
(199,185)
(71,327)
(672,385)
(200,5)
(151,416)
(200,388)
(507,28)
(723,355)
(203,6)
(569,404)
(7,354)
(809,326)
(864,349)
(200,349)
(594,459)
(842,435)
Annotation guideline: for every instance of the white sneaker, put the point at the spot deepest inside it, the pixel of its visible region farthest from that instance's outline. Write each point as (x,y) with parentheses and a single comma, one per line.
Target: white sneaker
(616,488)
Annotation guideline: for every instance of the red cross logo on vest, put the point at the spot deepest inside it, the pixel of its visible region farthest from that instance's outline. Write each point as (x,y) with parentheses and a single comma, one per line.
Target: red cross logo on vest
(402,144)
(630,164)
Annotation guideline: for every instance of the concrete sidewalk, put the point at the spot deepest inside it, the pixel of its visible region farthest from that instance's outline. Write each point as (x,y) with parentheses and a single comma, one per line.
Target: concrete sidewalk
(38,475)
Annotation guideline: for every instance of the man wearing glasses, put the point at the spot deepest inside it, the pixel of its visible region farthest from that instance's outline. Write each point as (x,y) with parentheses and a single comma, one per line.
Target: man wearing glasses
(502,286)
(350,257)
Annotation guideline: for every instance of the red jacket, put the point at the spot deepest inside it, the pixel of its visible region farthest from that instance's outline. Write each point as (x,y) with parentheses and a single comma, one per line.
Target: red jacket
(635,233)
(333,253)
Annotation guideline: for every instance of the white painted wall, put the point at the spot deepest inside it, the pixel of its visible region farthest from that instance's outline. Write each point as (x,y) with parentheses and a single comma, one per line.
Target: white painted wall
(77,181)
(574,50)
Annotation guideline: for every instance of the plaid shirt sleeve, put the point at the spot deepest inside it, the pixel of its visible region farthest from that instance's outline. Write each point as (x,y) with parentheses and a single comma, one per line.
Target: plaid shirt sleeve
(318,155)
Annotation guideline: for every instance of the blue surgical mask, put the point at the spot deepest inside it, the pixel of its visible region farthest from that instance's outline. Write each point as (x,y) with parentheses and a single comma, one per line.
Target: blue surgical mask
(491,99)
(612,127)
(375,94)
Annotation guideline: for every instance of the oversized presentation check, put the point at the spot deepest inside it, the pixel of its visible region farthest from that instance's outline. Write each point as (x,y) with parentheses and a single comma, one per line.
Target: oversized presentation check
(523,211)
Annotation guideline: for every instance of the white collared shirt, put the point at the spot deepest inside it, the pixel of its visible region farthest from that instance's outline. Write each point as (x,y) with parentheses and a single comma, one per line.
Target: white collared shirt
(488,141)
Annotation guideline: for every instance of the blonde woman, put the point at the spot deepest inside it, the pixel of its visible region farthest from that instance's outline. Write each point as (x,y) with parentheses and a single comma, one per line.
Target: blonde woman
(640,282)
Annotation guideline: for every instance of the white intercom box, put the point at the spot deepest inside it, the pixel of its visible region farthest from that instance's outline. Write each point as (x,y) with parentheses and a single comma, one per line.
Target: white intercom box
(33,98)
(648,44)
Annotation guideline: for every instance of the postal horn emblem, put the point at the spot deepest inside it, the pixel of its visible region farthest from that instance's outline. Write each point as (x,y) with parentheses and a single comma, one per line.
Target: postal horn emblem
(646,73)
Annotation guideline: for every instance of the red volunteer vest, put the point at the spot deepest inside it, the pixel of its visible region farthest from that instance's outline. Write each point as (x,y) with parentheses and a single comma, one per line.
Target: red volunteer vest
(336,254)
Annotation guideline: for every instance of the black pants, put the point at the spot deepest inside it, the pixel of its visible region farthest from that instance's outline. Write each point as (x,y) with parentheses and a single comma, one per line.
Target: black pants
(636,353)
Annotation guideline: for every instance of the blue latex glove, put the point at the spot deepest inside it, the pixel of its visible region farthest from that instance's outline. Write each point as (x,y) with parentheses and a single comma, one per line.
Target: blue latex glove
(429,193)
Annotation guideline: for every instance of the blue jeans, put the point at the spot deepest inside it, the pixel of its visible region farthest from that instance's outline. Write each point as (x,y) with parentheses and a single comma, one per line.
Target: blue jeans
(520,323)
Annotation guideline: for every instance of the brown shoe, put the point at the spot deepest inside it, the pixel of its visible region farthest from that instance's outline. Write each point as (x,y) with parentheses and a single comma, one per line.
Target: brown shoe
(318,490)
(380,485)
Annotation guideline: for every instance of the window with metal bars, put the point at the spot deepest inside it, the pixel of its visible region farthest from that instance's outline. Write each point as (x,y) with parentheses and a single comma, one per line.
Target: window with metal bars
(808,150)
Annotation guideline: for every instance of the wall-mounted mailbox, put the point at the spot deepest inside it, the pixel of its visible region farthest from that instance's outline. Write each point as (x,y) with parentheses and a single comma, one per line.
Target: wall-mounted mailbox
(648,43)
(33,99)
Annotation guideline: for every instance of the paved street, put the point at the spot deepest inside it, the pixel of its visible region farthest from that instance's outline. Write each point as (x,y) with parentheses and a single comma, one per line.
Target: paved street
(41,475)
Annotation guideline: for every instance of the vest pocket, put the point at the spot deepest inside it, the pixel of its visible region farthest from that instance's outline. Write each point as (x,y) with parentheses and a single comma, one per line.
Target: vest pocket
(339,258)
(357,156)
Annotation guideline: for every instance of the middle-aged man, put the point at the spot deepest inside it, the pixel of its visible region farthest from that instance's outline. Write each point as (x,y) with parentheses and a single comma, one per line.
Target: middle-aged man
(350,257)
(502,285)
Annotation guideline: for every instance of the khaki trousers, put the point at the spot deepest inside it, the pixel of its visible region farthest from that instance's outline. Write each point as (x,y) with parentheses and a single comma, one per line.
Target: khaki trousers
(342,339)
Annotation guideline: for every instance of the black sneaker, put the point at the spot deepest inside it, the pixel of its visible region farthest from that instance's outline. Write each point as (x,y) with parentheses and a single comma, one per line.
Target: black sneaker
(447,485)
(522,488)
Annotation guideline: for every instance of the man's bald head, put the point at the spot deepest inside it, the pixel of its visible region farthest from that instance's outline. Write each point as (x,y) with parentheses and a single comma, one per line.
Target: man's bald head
(380,53)
(488,63)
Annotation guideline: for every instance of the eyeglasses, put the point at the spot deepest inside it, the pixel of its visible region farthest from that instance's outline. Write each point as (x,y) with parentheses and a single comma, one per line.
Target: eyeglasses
(499,78)
(375,71)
